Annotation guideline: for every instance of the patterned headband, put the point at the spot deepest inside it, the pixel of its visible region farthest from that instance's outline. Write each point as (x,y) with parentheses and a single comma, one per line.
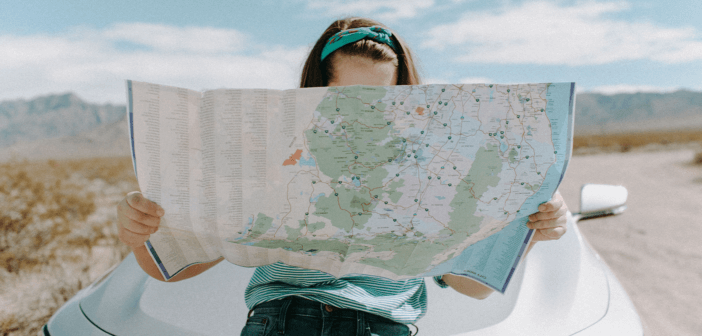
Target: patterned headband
(344,37)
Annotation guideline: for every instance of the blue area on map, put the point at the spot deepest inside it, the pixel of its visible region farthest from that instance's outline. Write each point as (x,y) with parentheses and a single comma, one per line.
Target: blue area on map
(561,124)
(307,162)
(440,197)
(420,157)
(314,199)
(245,229)
(357,183)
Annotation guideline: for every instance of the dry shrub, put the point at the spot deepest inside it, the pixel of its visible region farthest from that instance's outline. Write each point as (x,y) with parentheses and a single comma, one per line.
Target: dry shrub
(33,212)
(624,142)
(697,160)
(36,295)
(58,232)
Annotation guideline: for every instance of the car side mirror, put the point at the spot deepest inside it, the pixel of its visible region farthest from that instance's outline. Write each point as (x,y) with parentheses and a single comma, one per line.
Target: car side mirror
(599,200)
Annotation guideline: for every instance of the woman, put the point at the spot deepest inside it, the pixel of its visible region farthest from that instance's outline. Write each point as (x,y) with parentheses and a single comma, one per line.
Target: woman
(287,300)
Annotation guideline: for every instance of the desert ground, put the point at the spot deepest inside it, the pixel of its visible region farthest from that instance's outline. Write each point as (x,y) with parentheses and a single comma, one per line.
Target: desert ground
(59,233)
(654,247)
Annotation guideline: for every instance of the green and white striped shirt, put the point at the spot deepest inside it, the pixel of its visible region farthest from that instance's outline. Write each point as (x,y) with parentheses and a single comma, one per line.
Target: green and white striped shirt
(403,301)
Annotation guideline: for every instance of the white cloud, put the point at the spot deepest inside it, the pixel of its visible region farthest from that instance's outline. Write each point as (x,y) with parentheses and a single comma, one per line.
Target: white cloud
(627,88)
(170,38)
(390,10)
(548,33)
(95,63)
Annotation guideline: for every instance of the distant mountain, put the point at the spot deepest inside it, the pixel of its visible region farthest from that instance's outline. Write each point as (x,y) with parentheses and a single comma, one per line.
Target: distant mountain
(107,140)
(64,126)
(51,117)
(625,113)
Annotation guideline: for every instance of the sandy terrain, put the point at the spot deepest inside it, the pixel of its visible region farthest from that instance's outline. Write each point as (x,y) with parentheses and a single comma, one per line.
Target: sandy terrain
(654,247)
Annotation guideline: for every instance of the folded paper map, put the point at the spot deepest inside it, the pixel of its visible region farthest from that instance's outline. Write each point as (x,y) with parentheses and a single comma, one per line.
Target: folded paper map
(394,181)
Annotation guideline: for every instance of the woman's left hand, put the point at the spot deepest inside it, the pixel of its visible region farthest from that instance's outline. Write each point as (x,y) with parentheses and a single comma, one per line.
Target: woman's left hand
(550,222)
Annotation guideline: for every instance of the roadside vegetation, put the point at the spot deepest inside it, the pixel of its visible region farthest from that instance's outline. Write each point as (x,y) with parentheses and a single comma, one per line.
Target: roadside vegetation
(624,142)
(697,160)
(58,233)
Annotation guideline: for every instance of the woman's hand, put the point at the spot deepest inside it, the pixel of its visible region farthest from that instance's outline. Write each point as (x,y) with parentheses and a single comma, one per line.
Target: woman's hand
(138,218)
(550,222)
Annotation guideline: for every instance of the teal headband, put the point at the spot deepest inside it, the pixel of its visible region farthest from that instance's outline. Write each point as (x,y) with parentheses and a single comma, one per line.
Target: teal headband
(344,37)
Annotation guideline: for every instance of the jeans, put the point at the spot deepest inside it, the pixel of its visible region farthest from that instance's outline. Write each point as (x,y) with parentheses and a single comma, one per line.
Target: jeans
(293,316)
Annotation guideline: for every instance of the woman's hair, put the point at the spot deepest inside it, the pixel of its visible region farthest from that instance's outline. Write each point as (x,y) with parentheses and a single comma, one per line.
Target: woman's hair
(318,73)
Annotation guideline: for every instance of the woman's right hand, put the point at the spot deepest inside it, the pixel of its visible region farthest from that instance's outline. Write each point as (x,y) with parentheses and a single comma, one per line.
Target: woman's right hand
(138,218)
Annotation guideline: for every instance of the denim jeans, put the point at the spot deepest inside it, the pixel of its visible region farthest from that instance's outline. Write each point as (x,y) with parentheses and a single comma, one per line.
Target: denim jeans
(293,316)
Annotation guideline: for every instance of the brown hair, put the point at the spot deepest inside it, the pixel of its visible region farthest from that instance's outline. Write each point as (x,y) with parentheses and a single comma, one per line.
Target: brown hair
(317,73)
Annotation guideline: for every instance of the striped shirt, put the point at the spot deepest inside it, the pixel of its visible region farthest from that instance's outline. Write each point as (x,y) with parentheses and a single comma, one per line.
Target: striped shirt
(403,301)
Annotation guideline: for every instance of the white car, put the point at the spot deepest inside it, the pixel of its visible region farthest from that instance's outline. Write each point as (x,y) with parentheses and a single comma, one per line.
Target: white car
(561,288)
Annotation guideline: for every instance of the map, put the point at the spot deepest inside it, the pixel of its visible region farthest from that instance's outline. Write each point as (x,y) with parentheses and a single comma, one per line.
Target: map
(391,181)
(406,178)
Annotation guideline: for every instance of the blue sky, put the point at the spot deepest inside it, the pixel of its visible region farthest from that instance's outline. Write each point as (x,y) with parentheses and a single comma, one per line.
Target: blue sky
(90,47)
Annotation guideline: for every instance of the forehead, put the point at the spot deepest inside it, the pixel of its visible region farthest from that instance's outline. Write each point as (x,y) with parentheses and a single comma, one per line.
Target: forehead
(359,70)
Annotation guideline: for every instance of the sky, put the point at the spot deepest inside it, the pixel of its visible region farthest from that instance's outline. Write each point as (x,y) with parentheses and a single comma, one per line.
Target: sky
(90,47)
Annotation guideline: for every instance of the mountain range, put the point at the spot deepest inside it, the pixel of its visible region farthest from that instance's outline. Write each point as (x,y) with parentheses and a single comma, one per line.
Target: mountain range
(637,112)
(60,127)
(64,126)
(52,116)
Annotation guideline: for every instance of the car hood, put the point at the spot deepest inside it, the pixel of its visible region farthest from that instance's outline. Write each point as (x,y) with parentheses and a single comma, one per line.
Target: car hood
(561,288)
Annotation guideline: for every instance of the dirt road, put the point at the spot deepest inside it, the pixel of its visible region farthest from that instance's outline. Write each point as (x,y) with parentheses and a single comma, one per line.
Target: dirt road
(655,247)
